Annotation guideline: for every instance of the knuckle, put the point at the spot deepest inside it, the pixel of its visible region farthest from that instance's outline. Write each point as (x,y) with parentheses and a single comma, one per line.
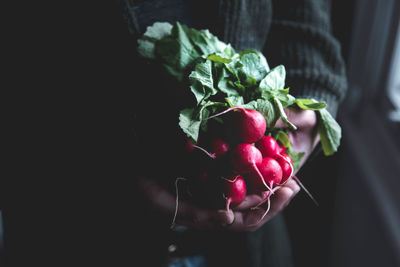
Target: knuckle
(310,119)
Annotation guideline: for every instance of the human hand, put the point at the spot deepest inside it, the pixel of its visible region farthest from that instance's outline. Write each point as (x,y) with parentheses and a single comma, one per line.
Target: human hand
(306,137)
(244,217)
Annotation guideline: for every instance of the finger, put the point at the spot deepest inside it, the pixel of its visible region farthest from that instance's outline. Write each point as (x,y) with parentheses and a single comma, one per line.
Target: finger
(284,195)
(200,218)
(300,118)
(251,220)
(251,201)
(186,213)
(164,201)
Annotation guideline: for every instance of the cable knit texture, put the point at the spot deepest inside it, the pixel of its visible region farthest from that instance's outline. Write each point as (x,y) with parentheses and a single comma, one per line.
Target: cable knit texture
(300,38)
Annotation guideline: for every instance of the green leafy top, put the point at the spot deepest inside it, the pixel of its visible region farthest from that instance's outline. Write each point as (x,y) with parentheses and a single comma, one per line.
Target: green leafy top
(220,77)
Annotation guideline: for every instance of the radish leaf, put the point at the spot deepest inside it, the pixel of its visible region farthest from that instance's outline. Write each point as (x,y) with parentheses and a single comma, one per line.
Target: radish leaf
(283,138)
(225,84)
(215,72)
(154,33)
(266,108)
(219,58)
(329,131)
(311,104)
(275,79)
(202,83)
(296,157)
(189,124)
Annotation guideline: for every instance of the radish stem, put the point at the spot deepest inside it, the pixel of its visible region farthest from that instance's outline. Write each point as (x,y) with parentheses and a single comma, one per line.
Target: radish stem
(231,181)
(266,199)
(211,155)
(283,114)
(225,111)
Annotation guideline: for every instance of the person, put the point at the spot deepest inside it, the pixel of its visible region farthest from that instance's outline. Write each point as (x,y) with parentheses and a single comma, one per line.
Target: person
(297,34)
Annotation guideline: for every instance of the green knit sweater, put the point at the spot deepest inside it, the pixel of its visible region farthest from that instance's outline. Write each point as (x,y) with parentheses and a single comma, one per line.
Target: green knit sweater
(296,34)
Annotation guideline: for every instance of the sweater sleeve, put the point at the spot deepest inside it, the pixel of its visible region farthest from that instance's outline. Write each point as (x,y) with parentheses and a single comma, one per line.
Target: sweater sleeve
(301,39)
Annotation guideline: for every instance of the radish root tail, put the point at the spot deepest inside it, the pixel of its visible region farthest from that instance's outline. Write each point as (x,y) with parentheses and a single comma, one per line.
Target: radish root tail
(305,189)
(176,199)
(268,208)
(266,199)
(265,213)
(211,155)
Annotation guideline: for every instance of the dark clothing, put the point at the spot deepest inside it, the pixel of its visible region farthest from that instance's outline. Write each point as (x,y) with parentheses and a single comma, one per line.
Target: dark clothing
(296,34)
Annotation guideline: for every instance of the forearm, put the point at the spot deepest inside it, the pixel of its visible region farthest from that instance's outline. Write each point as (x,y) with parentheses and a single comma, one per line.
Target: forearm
(301,39)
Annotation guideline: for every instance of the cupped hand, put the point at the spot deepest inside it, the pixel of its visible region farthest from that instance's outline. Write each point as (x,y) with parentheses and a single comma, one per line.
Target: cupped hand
(244,217)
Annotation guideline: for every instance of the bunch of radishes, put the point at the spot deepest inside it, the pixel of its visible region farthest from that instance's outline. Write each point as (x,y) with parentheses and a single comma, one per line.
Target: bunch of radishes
(234,158)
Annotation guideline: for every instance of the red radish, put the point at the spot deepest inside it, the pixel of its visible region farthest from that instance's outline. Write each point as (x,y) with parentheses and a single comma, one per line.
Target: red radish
(287,157)
(247,126)
(270,170)
(250,125)
(286,164)
(234,191)
(189,146)
(219,147)
(268,146)
(245,158)
(282,149)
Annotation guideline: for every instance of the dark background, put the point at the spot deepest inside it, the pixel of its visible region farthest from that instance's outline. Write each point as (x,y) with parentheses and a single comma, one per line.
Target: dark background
(356,223)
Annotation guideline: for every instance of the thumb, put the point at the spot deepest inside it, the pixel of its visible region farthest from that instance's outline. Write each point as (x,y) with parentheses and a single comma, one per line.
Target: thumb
(299,117)
(280,124)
